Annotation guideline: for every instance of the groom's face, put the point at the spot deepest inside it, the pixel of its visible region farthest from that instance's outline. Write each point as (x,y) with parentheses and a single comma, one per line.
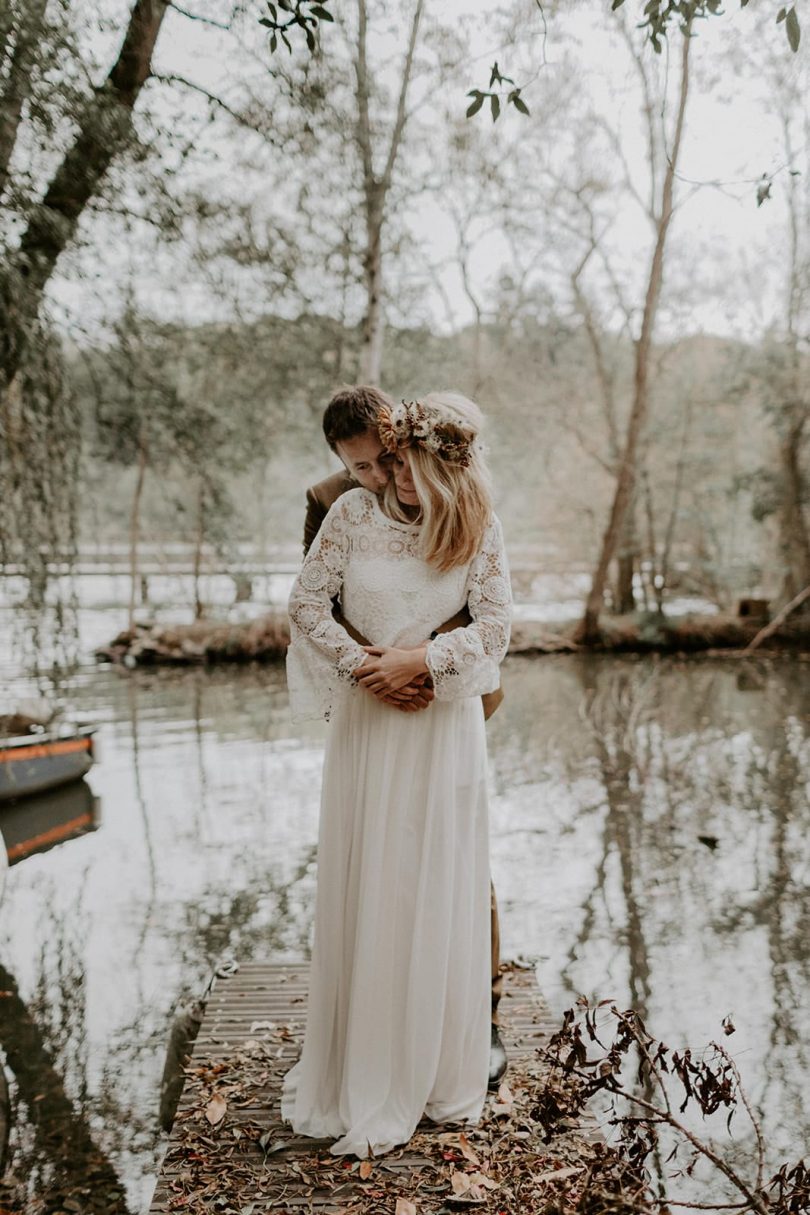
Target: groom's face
(366,460)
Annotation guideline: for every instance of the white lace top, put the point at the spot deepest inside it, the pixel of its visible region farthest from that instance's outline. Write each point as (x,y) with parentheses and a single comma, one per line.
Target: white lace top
(392,596)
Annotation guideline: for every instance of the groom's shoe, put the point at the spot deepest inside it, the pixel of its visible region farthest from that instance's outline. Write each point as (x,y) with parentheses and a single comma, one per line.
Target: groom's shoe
(497,1058)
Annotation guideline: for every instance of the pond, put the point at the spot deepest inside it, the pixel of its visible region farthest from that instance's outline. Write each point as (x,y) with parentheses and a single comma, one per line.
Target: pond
(650,823)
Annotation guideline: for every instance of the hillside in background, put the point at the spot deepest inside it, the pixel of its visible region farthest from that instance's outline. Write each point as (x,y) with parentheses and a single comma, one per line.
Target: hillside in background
(254,396)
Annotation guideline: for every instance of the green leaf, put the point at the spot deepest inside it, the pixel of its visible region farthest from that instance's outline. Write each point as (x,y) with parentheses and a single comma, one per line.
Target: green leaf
(310,38)
(616,4)
(520,104)
(266,21)
(273,11)
(495,75)
(273,43)
(792,28)
(495,106)
(475,106)
(780,16)
(319,11)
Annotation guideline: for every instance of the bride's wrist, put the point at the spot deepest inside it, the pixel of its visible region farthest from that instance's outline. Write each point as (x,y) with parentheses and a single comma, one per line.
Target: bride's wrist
(419,659)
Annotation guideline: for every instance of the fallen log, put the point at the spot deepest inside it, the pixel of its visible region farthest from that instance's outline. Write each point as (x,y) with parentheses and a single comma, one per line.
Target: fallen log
(266,638)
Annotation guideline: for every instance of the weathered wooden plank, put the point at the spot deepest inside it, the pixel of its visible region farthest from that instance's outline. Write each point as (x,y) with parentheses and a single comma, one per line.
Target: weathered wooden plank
(264,1004)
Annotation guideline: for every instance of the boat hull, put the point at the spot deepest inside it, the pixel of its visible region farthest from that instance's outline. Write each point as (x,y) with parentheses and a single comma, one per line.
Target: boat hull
(39,762)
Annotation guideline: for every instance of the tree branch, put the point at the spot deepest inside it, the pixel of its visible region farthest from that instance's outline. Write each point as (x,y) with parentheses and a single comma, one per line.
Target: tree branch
(399,124)
(778,620)
(361,73)
(172,78)
(105,128)
(18,83)
(220,25)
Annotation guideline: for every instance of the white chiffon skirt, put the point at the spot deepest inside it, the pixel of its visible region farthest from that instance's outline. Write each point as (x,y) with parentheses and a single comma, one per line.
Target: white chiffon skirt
(398,1015)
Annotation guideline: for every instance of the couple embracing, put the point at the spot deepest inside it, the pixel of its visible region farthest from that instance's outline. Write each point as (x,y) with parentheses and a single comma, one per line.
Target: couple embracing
(399,621)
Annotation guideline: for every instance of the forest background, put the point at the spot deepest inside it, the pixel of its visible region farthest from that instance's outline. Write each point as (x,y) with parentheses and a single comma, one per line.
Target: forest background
(209,228)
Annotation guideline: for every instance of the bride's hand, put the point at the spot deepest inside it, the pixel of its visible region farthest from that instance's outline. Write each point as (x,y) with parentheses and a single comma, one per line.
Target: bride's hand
(387,668)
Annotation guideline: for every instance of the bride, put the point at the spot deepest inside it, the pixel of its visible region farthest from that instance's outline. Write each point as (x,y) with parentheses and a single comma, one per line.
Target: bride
(398,1016)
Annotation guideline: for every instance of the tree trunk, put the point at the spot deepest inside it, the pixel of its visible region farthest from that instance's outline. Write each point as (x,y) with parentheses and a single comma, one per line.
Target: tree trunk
(376,189)
(794,541)
(625,487)
(199,607)
(104,129)
(134,526)
(626,564)
(371,339)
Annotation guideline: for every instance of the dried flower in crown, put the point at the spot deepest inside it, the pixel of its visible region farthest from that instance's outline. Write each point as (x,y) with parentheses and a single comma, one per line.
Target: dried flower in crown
(413,422)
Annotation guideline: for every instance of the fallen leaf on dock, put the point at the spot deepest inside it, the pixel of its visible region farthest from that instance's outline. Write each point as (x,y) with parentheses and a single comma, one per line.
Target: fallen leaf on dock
(460,1183)
(216,1109)
(466,1150)
(557,1174)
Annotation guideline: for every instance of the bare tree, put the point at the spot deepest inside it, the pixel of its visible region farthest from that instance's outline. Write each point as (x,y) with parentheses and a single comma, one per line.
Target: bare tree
(795,406)
(376,186)
(627,473)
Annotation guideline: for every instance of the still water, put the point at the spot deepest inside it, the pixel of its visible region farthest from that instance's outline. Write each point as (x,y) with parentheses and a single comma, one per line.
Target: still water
(650,823)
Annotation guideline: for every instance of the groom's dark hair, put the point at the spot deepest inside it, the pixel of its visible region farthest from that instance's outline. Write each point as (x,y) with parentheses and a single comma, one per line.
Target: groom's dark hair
(353,411)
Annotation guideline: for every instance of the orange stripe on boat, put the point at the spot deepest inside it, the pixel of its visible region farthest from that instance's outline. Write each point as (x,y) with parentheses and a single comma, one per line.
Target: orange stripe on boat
(43,750)
(54,836)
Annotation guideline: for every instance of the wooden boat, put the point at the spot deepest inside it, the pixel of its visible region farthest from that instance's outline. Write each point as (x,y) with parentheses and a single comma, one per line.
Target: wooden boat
(33,762)
(36,824)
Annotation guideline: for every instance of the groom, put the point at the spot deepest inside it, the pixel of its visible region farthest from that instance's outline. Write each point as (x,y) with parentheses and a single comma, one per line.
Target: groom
(350,428)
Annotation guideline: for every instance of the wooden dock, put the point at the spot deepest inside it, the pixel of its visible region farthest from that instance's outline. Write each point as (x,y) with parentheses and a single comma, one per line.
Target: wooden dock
(230,1152)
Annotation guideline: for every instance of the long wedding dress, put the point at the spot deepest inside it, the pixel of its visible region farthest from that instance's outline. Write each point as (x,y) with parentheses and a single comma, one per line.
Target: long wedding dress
(399,1003)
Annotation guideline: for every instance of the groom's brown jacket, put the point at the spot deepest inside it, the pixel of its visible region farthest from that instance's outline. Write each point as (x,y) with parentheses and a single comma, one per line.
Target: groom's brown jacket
(319,498)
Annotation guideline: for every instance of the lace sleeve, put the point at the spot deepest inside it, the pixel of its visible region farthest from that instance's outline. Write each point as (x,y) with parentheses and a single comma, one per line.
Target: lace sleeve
(322,656)
(464,662)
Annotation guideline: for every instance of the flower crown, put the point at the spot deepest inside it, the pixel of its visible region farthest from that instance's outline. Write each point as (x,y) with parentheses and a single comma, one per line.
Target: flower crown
(413,422)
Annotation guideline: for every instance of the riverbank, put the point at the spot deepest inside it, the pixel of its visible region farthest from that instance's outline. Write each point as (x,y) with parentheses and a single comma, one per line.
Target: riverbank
(266,638)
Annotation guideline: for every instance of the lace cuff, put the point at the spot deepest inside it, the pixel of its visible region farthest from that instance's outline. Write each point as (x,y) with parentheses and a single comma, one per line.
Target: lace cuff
(322,657)
(465,661)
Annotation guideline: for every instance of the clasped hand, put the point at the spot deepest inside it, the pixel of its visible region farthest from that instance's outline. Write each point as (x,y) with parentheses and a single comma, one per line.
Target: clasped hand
(398,677)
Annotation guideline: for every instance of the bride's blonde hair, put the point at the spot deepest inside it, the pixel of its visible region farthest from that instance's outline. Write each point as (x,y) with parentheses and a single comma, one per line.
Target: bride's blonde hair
(455,499)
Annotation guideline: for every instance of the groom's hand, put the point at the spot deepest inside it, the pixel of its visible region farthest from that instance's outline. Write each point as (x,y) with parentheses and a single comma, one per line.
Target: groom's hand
(413,697)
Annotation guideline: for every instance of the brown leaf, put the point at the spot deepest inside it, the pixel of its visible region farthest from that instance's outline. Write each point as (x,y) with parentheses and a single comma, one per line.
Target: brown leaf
(365,1170)
(557,1174)
(466,1150)
(479,1180)
(460,1183)
(405,1208)
(216,1109)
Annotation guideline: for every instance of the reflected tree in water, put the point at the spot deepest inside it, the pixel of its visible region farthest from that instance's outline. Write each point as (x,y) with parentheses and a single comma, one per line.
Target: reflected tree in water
(55,1145)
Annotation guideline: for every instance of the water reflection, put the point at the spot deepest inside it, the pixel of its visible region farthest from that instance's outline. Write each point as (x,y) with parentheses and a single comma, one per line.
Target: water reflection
(35,824)
(606,774)
(673,823)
